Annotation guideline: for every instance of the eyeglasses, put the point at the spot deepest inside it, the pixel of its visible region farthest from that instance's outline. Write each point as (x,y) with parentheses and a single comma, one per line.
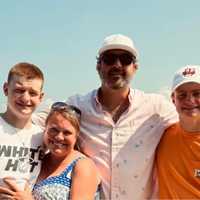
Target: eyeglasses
(62,106)
(125,58)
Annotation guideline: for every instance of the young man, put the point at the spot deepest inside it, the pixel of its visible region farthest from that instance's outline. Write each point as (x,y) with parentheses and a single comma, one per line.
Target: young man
(178,155)
(121,126)
(20,139)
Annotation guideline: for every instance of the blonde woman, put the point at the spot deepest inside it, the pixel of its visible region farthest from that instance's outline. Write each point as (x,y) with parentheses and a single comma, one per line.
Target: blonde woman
(66,173)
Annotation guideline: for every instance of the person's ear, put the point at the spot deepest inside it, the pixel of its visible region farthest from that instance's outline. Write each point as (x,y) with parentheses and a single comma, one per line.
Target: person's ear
(173,97)
(136,65)
(98,66)
(5,88)
(41,96)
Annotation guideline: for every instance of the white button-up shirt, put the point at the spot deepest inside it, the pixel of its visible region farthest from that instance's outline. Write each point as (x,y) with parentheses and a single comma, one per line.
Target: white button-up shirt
(124,151)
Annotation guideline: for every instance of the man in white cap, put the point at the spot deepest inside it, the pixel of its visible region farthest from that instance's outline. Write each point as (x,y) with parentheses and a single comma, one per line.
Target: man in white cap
(121,126)
(178,156)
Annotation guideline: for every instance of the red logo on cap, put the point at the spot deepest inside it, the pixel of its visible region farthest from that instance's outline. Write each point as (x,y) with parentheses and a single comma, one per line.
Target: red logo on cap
(189,72)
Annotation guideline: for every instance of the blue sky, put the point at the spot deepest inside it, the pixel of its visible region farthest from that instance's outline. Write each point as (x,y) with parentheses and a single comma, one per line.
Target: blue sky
(62,37)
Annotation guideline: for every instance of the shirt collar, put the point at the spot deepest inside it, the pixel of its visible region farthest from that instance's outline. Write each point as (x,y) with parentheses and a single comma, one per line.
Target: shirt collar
(98,104)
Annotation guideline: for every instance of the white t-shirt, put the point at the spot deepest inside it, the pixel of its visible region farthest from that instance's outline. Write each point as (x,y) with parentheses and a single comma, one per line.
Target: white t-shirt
(20,151)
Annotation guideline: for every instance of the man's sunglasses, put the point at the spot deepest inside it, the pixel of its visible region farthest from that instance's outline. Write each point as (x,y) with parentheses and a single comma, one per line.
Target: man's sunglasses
(62,106)
(124,58)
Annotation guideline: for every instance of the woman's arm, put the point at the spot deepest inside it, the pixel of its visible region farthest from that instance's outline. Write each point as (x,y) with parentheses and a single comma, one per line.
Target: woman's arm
(85,180)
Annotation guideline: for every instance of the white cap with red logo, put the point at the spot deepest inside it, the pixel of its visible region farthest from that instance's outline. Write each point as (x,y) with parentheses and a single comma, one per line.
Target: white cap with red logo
(189,73)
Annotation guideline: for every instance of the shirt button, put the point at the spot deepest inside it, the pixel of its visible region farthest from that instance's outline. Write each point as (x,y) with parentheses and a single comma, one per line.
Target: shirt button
(135,176)
(123,192)
(125,161)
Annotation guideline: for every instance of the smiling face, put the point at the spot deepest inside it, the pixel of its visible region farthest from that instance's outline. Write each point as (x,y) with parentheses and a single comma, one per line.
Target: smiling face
(116,68)
(23,96)
(60,135)
(187,100)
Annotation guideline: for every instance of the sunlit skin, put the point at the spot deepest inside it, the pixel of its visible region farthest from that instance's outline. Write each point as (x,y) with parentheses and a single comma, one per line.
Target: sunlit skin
(187,100)
(60,136)
(23,96)
(116,76)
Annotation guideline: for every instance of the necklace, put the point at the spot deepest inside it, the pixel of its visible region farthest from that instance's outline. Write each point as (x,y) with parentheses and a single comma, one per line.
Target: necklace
(118,110)
(112,111)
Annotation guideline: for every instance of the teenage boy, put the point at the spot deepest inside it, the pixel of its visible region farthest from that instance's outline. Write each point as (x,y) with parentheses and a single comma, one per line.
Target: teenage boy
(20,139)
(178,155)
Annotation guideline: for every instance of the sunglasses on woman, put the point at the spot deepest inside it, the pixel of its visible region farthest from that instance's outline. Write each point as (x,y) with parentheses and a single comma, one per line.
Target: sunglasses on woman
(62,106)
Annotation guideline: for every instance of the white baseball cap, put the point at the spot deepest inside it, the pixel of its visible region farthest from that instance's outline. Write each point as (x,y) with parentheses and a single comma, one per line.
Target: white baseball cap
(189,73)
(118,41)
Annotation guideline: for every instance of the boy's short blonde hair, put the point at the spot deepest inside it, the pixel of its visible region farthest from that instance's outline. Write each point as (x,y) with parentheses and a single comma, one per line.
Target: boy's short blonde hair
(27,70)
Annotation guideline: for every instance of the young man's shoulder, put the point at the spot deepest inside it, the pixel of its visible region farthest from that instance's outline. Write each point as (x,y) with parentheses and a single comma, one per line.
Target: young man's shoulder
(172,130)
(170,137)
